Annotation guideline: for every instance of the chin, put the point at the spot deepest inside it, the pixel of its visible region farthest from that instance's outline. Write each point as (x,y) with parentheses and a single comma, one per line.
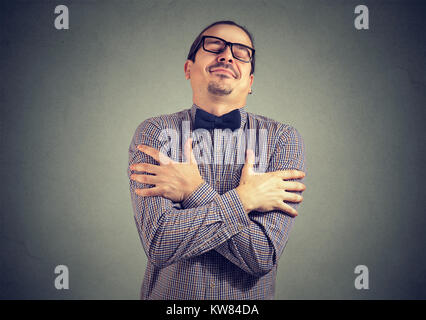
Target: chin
(219,89)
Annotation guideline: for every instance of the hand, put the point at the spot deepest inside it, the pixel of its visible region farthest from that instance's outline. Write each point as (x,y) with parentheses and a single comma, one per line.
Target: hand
(173,180)
(267,191)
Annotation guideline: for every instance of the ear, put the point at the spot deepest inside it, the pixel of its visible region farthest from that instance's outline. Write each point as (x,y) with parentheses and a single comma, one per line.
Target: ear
(187,69)
(251,82)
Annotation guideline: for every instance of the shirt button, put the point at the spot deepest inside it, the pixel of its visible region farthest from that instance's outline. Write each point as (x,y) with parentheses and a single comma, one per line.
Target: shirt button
(212,284)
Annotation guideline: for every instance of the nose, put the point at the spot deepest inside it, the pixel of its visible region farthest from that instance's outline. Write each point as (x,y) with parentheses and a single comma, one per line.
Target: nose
(226,55)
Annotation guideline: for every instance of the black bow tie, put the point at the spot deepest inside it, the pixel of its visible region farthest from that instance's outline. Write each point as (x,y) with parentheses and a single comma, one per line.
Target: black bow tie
(205,120)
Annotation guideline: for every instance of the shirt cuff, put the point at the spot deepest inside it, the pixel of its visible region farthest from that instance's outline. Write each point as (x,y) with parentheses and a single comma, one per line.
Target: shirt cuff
(234,214)
(201,196)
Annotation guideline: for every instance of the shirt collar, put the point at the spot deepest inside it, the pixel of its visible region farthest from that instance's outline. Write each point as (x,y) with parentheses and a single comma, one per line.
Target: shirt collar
(242,110)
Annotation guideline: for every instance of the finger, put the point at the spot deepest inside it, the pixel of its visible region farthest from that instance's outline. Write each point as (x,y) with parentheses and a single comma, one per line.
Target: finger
(189,154)
(284,207)
(155,154)
(145,167)
(148,192)
(249,162)
(290,174)
(293,185)
(144,178)
(292,197)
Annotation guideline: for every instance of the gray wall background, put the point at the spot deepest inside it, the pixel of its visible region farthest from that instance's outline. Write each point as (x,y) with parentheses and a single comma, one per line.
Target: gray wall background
(71,100)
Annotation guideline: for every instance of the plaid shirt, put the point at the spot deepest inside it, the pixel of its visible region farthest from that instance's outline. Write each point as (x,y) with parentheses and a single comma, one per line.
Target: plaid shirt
(207,247)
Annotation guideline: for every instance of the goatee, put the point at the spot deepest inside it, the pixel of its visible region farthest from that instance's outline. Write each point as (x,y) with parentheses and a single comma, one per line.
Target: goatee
(218,89)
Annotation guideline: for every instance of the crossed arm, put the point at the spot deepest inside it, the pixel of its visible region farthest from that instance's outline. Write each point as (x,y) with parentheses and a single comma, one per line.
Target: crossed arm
(250,234)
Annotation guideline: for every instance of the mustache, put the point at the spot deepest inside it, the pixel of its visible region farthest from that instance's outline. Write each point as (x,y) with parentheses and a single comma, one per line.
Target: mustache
(225,66)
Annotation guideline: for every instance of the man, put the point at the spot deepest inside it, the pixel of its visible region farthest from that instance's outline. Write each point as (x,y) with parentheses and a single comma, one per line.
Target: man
(212,227)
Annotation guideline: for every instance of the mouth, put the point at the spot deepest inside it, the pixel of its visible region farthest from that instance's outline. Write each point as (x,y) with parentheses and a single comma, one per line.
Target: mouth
(223,71)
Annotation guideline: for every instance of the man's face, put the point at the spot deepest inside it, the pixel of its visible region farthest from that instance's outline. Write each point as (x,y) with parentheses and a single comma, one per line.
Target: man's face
(221,74)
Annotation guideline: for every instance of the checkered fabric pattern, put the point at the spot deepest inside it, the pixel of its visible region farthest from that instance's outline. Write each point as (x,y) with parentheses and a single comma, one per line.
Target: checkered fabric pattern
(207,247)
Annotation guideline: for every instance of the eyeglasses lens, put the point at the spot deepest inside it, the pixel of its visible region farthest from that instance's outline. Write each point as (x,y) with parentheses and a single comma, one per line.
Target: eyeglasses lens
(216,45)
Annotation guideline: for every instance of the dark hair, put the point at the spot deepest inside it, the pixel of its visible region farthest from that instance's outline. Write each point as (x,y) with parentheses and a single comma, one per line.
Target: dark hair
(197,42)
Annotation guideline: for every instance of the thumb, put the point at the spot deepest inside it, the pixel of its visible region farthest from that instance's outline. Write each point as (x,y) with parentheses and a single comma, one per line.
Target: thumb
(248,165)
(189,155)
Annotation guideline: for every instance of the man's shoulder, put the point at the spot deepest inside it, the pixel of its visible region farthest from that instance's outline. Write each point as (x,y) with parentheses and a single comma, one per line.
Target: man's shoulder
(164,121)
(289,149)
(276,127)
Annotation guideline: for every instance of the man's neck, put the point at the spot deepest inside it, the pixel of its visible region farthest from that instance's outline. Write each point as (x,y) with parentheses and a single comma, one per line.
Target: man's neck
(217,107)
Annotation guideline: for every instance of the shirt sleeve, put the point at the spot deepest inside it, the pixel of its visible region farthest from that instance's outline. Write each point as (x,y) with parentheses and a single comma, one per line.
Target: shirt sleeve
(257,247)
(168,231)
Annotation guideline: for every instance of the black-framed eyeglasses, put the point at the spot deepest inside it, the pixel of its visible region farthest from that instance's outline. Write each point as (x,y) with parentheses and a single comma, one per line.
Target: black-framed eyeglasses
(218,45)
